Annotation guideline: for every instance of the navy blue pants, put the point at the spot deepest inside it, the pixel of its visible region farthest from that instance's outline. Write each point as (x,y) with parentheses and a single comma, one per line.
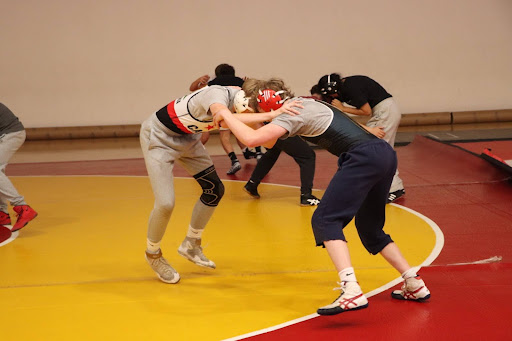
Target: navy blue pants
(359,188)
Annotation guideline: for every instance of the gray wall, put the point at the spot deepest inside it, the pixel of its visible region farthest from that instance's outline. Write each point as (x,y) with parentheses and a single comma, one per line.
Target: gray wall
(105,62)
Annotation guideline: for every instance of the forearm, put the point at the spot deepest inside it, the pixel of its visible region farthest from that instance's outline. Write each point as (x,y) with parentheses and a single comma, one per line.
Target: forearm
(251,119)
(199,83)
(354,111)
(244,133)
(196,85)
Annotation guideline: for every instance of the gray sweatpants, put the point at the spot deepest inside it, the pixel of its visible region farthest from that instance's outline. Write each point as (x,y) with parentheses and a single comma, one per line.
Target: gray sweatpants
(161,148)
(386,114)
(9,144)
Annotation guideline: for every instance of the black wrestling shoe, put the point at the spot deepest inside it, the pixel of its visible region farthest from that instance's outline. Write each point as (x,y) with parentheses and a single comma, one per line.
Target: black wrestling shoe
(248,154)
(309,200)
(395,195)
(235,167)
(252,188)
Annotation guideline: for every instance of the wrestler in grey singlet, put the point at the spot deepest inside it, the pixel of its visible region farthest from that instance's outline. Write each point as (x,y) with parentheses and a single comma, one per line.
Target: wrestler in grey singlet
(173,134)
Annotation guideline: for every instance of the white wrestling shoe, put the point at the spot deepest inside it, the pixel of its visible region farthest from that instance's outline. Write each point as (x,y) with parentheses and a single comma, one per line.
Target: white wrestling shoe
(414,289)
(164,271)
(351,298)
(191,249)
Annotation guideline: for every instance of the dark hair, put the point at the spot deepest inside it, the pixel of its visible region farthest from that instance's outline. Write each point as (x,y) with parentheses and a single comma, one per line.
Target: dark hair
(224,70)
(328,84)
(315,89)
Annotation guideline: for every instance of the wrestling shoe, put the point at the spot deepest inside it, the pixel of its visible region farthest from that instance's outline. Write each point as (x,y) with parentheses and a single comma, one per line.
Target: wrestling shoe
(413,289)
(235,167)
(191,249)
(309,200)
(163,270)
(395,195)
(248,154)
(5,219)
(25,214)
(252,188)
(351,298)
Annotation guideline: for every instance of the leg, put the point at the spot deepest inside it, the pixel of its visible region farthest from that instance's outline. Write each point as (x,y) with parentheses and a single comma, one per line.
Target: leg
(357,174)
(213,190)
(225,140)
(351,297)
(205,136)
(387,114)
(339,254)
(414,288)
(9,144)
(393,256)
(264,165)
(305,157)
(159,164)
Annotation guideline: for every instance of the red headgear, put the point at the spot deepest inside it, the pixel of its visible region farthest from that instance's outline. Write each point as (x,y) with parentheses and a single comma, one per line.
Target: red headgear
(269,100)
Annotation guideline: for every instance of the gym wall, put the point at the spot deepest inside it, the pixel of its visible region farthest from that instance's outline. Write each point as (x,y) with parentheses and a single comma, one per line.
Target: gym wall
(114,62)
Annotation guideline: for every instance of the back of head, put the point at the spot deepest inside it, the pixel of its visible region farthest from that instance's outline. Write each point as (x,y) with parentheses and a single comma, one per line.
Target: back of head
(254,88)
(315,90)
(224,70)
(328,84)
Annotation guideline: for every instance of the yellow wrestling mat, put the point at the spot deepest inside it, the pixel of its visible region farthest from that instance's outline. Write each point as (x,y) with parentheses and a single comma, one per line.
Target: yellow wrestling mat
(77,272)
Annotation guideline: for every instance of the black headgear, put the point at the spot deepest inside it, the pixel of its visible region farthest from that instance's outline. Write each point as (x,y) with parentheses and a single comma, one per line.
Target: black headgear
(328,84)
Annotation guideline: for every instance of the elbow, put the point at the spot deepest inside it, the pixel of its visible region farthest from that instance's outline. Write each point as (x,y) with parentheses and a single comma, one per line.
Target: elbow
(251,143)
(254,141)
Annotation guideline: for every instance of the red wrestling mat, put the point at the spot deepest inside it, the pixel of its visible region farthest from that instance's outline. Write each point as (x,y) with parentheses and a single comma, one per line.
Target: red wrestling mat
(471,201)
(470,302)
(498,153)
(501,148)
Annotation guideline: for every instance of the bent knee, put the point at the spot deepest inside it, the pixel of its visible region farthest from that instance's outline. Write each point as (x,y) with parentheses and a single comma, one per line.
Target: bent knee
(375,244)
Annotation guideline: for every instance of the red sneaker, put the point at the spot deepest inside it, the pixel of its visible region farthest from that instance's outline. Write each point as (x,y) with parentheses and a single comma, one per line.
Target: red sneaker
(5,219)
(25,214)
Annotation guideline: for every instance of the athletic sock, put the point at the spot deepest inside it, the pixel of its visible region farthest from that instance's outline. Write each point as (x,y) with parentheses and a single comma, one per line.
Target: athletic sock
(347,275)
(232,157)
(152,247)
(409,274)
(194,233)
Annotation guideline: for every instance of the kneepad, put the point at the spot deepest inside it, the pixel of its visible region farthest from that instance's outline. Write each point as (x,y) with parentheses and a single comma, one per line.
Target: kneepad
(213,188)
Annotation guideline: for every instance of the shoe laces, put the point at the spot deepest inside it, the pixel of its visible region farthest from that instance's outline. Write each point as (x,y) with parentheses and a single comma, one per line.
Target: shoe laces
(342,286)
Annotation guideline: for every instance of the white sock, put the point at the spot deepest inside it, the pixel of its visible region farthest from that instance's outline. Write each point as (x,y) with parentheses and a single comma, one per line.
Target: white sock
(347,275)
(152,247)
(194,233)
(411,273)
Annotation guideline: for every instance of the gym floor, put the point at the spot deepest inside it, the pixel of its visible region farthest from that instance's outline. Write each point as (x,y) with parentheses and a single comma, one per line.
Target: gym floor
(78,270)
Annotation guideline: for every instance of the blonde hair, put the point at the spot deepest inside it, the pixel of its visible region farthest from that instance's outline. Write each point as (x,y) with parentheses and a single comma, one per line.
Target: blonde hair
(252,87)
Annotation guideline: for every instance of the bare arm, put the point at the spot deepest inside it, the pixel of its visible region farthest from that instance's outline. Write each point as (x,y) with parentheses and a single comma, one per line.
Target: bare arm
(377,131)
(266,135)
(218,109)
(365,109)
(199,83)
